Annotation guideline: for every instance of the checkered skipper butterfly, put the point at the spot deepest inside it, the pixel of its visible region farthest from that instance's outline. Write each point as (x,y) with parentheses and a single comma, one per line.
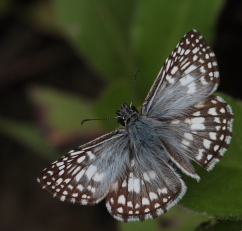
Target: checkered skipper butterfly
(135,168)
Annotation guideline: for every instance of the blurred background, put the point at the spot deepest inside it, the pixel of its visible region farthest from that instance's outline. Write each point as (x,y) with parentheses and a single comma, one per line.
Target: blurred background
(65,61)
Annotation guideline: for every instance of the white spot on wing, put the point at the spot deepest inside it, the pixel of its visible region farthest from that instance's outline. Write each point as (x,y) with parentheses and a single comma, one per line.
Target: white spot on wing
(136,185)
(170,79)
(200,154)
(120,210)
(212,111)
(153,196)
(98,177)
(185,142)
(79,175)
(198,113)
(80,159)
(206,143)
(121,200)
(186,80)
(191,88)
(90,155)
(190,69)
(80,187)
(216,147)
(59,164)
(209,157)
(145,201)
(130,204)
(76,170)
(152,174)
(213,135)
(174,70)
(195,50)
(163,191)
(90,171)
(59,181)
(222,110)
(124,184)
(188,136)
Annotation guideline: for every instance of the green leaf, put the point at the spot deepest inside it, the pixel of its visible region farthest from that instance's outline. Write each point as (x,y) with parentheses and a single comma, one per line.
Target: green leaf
(218,193)
(220,225)
(138,226)
(63,112)
(100,30)
(175,220)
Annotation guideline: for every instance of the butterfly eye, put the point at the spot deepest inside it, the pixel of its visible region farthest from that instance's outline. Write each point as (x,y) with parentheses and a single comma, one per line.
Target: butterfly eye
(121,121)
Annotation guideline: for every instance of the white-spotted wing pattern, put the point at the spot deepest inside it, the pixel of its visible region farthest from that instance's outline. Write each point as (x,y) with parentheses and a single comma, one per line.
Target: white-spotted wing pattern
(85,174)
(136,168)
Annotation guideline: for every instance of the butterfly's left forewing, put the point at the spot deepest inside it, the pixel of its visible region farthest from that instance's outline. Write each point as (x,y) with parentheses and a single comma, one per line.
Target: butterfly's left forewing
(85,174)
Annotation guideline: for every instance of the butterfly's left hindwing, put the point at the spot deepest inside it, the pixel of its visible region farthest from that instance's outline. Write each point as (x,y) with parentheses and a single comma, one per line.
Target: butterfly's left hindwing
(148,189)
(85,174)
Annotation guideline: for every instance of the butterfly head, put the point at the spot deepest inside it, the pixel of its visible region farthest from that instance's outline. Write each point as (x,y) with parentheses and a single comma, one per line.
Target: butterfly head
(127,115)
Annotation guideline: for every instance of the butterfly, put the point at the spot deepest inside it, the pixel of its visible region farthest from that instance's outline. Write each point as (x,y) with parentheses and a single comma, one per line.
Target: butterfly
(136,168)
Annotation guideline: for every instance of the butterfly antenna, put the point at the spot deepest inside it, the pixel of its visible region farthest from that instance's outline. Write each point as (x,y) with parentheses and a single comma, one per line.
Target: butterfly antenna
(83,121)
(134,88)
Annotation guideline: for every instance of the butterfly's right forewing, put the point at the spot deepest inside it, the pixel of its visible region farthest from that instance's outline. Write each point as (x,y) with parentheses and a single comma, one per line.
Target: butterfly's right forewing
(188,76)
(85,174)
